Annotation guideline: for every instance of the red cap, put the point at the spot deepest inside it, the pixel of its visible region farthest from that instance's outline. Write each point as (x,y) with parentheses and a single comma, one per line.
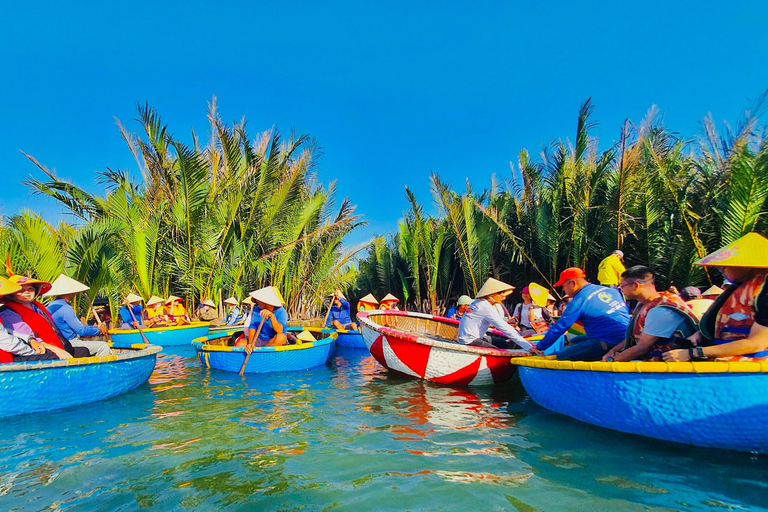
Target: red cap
(570,273)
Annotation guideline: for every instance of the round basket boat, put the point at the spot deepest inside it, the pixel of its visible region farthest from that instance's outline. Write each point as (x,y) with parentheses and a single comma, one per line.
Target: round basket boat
(163,336)
(710,404)
(48,385)
(344,337)
(214,353)
(424,346)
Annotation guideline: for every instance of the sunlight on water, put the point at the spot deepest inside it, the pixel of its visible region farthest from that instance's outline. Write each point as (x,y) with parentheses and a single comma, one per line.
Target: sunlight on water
(347,436)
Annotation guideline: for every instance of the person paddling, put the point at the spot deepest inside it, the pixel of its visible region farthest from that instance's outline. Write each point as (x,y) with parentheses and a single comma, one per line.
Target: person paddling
(130,313)
(269,308)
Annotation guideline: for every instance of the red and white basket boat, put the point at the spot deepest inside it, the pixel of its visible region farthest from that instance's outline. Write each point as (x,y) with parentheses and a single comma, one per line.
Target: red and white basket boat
(425,346)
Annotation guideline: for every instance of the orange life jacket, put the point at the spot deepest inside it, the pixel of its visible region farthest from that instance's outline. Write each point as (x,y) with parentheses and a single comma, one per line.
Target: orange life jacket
(737,315)
(637,323)
(176,313)
(156,316)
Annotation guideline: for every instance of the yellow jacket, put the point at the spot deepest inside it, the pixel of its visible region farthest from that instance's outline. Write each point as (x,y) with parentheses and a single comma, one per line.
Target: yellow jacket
(609,271)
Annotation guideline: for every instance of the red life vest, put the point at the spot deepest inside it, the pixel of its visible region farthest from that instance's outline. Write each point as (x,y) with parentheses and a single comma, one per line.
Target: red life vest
(637,324)
(737,315)
(41,324)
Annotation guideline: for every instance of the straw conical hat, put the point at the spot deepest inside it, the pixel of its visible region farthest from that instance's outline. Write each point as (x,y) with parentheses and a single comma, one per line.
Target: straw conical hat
(232,301)
(751,250)
(248,300)
(493,286)
(7,287)
(154,300)
(391,298)
(712,290)
(171,299)
(209,302)
(306,336)
(538,294)
(64,285)
(369,299)
(267,295)
(133,298)
(279,295)
(550,297)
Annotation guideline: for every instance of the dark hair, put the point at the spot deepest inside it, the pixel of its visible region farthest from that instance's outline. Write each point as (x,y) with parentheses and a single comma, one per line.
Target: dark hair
(639,272)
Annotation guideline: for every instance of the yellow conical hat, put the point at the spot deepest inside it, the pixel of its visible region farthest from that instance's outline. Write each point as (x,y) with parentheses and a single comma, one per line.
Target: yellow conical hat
(751,250)
(7,287)
(154,300)
(712,290)
(492,286)
(369,299)
(306,336)
(538,294)
(64,285)
(232,301)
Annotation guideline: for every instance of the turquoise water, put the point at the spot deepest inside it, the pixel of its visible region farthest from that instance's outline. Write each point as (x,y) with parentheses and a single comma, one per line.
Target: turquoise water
(348,436)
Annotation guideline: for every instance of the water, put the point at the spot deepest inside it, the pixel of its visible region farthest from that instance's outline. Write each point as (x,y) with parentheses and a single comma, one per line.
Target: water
(348,437)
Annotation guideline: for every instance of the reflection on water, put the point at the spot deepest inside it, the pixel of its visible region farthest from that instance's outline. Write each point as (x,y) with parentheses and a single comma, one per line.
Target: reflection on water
(347,436)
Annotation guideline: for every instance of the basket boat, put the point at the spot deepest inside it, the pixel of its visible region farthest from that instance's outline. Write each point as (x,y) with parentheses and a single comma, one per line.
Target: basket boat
(162,336)
(48,385)
(224,328)
(710,404)
(424,346)
(214,353)
(344,338)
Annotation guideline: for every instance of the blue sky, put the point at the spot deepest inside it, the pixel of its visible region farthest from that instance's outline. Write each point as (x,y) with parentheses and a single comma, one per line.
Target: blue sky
(391,91)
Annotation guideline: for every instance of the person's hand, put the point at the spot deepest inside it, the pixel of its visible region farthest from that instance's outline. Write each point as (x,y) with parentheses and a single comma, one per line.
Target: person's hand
(513,321)
(135,324)
(611,353)
(336,293)
(266,314)
(676,356)
(536,351)
(103,328)
(248,348)
(695,338)
(37,346)
(60,353)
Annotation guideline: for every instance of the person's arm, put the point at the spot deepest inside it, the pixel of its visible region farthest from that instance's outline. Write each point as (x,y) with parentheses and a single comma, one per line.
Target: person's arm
(644,345)
(570,316)
(508,331)
(756,341)
(344,304)
(69,317)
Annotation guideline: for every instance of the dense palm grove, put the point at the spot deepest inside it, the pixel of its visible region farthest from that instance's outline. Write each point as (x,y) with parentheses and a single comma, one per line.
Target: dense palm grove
(665,200)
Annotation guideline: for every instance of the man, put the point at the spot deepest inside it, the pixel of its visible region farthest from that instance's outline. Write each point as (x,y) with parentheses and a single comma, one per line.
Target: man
(602,312)
(64,289)
(610,269)
(235,316)
(130,313)
(658,319)
(269,309)
(482,313)
(339,317)
(460,308)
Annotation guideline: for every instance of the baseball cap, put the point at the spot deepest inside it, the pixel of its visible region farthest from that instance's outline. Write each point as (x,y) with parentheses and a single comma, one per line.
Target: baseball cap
(570,273)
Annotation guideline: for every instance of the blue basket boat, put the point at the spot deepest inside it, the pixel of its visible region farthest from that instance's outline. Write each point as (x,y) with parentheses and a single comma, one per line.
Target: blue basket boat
(213,353)
(344,338)
(709,404)
(162,336)
(49,385)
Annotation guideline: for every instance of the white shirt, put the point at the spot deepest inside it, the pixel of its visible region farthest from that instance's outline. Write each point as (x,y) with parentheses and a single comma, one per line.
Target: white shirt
(478,317)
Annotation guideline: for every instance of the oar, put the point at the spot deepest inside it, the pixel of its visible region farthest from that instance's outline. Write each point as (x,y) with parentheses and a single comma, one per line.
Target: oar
(247,356)
(99,322)
(130,310)
(327,316)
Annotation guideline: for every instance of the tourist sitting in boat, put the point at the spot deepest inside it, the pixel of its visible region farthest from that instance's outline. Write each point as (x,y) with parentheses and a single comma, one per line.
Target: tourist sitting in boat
(207,312)
(367,303)
(130,313)
(692,296)
(24,316)
(530,318)
(65,289)
(602,312)
(735,327)
(176,312)
(389,303)
(610,269)
(661,321)
(269,310)
(155,312)
(458,310)
(235,316)
(339,314)
(482,313)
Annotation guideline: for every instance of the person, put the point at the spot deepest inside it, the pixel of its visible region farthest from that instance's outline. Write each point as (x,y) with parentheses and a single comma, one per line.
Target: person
(602,312)
(659,322)
(207,312)
(247,312)
(458,310)
(673,290)
(735,327)
(269,310)
(712,293)
(17,347)
(65,289)
(529,317)
(130,313)
(692,296)
(389,303)
(23,315)
(339,314)
(367,303)
(482,313)
(235,316)
(175,311)
(155,312)
(610,269)
(554,312)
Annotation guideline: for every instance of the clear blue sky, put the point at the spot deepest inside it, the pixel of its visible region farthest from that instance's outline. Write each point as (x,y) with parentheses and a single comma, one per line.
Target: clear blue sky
(391,91)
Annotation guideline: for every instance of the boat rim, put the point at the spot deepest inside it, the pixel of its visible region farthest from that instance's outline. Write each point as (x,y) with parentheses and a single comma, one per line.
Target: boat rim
(140,350)
(199,343)
(550,363)
(157,329)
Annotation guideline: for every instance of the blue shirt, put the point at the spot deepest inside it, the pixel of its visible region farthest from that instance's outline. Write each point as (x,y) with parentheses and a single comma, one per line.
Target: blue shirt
(603,312)
(234,316)
(125,314)
(66,320)
(267,332)
(341,313)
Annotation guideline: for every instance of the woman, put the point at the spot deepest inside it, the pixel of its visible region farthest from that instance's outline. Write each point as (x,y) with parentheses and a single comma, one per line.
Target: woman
(235,316)
(16,348)
(271,315)
(389,303)
(529,317)
(155,312)
(367,303)
(175,311)
(207,312)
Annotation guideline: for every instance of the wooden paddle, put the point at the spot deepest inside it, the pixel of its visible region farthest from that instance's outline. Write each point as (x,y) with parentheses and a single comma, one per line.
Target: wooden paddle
(330,307)
(248,355)
(130,310)
(99,322)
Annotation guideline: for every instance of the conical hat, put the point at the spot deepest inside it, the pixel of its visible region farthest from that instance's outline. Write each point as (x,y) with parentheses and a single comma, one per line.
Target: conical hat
(751,250)
(232,301)
(209,302)
(171,299)
(154,300)
(306,336)
(267,295)
(550,297)
(492,286)
(390,298)
(7,287)
(712,290)
(538,294)
(64,285)
(369,299)
(133,298)
(22,280)
(248,300)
